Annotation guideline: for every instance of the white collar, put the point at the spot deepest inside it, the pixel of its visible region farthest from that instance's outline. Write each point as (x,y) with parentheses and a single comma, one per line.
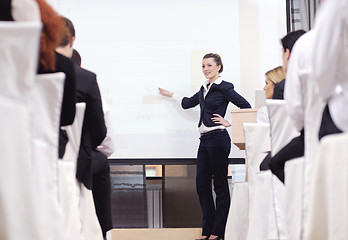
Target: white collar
(206,82)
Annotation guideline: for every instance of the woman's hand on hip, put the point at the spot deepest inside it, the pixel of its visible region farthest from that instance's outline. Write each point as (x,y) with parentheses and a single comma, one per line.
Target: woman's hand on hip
(165,93)
(220,120)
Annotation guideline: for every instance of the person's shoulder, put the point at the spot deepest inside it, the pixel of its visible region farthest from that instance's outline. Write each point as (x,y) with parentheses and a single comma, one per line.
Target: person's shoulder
(84,73)
(225,85)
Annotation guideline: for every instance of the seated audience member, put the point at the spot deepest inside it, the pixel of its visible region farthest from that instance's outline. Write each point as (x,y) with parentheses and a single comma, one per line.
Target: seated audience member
(330,60)
(295,148)
(273,77)
(50,62)
(92,167)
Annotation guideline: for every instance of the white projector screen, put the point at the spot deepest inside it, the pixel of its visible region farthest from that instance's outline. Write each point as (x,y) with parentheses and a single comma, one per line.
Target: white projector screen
(136,46)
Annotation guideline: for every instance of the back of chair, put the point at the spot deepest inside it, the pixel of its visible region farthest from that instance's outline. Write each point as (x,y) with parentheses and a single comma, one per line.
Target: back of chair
(328,203)
(282,128)
(69,187)
(45,102)
(19,49)
(257,146)
(19,208)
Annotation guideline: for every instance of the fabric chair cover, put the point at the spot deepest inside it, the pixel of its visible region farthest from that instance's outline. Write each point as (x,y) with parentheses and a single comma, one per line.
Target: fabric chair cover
(238,216)
(257,144)
(261,203)
(82,221)
(282,132)
(69,187)
(19,48)
(294,174)
(328,203)
(45,104)
(91,229)
(19,207)
(282,128)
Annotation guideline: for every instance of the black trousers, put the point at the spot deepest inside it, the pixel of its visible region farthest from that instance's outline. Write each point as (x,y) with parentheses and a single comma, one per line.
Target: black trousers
(294,149)
(101,190)
(327,125)
(212,162)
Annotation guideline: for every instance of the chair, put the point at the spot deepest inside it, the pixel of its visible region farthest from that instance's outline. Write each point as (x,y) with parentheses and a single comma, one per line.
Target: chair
(328,203)
(69,188)
(81,219)
(258,143)
(282,132)
(45,105)
(294,177)
(19,44)
(241,210)
(19,47)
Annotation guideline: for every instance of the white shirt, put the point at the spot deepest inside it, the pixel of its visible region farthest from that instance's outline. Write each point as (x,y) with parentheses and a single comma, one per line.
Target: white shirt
(300,60)
(330,58)
(107,146)
(203,128)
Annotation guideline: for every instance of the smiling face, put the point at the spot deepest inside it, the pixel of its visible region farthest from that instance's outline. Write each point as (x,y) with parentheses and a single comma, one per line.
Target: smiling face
(210,69)
(269,88)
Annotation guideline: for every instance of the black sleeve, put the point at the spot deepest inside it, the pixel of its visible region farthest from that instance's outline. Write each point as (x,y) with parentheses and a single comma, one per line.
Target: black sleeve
(233,97)
(190,102)
(95,122)
(5,10)
(69,96)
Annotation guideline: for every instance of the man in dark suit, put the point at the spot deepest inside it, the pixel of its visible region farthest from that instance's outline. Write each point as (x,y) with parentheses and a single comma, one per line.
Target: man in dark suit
(92,167)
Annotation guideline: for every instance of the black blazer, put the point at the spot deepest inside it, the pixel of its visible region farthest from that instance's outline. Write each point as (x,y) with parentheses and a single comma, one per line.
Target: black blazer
(216,101)
(93,129)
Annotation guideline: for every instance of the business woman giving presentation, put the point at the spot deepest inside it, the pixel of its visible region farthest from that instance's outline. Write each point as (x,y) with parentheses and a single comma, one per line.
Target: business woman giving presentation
(215,143)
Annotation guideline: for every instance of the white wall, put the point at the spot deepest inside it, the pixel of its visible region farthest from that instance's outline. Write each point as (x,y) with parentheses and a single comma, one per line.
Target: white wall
(136,46)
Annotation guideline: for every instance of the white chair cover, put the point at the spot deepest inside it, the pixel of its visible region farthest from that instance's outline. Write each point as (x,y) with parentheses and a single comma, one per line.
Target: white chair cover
(19,48)
(90,225)
(328,203)
(282,128)
(262,201)
(238,216)
(82,221)
(45,104)
(19,207)
(294,173)
(257,145)
(69,187)
(282,132)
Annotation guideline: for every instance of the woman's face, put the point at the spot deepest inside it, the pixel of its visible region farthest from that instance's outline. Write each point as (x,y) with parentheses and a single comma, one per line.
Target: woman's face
(269,88)
(210,69)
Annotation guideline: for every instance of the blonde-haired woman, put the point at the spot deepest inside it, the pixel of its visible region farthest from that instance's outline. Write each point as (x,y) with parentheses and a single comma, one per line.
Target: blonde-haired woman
(273,77)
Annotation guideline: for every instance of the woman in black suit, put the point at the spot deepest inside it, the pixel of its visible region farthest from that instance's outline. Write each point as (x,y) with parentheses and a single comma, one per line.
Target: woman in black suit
(215,143)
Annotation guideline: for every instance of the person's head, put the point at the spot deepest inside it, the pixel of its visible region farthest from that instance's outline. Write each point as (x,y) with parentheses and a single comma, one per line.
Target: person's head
(212,66)
(76,58)
(288,43)
(50,35)
(67,39)
(272,77)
